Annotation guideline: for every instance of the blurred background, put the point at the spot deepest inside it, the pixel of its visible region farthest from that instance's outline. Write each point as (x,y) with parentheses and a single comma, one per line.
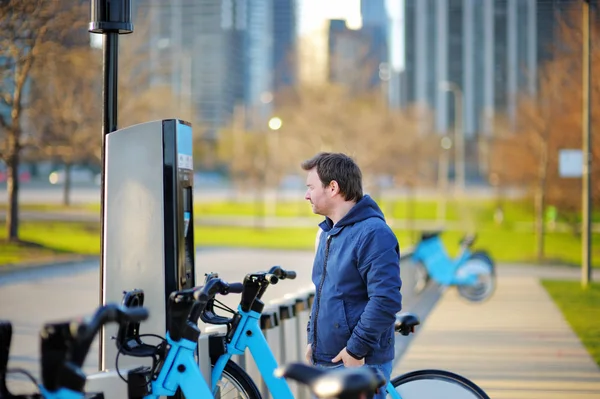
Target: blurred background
(464,115)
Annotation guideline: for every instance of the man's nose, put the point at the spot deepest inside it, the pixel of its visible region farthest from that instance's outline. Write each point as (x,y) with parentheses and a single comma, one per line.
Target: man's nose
(307,196)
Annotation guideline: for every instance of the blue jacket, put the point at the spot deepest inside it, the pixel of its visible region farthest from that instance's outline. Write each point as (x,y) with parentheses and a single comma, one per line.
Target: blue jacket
(356,273)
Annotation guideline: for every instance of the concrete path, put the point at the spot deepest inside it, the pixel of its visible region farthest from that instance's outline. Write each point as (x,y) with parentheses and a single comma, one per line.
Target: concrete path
(516,345)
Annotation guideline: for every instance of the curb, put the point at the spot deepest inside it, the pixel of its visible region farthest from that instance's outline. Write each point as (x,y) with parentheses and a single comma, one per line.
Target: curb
(59,261)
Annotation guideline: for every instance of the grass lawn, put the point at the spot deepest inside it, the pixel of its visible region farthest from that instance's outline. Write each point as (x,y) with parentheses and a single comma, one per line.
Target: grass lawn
(59,238)
(51,207)
(581,309)
(513,241)
(51,239)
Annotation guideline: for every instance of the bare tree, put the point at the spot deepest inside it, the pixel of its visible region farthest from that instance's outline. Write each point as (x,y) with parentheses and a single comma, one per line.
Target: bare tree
(63,110)
(28,29)
(548,122)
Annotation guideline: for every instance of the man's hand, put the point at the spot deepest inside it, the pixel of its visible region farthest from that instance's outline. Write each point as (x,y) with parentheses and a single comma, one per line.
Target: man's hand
(309,354)
(348,360)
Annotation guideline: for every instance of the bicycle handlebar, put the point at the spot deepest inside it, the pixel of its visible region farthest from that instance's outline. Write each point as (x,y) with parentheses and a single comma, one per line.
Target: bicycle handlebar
(65,345)
(213,287)
(87,330)
(282,274)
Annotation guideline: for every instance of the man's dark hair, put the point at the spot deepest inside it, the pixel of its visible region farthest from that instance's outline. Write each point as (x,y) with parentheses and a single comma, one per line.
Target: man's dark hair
(342,169)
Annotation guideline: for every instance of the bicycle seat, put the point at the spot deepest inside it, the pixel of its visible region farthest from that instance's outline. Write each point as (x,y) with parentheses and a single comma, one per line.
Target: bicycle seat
(5,338)
(430,234)
(406,323)
(468,240)
(334,383)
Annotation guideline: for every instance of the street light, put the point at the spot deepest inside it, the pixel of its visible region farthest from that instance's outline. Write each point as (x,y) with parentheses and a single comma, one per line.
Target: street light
(275,123)
(445,145)
(459,133)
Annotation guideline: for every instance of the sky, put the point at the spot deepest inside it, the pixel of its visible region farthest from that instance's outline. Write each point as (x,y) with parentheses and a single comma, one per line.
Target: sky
(313,13)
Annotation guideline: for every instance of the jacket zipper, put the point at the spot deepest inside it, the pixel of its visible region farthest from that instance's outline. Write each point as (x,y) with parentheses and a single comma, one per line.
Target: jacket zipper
(319,299)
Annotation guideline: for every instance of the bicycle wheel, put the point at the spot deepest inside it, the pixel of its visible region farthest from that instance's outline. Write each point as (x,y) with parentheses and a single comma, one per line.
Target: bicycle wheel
(235,383)
(481,265)
(433,384)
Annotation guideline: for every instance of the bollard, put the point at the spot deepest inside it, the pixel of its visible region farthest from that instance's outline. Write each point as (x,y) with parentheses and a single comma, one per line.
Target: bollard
(204,357)
(303,305)
(288,330)
(269,324)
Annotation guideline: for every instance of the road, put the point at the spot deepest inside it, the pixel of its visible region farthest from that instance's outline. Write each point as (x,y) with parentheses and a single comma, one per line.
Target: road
(43,192)
(30,298)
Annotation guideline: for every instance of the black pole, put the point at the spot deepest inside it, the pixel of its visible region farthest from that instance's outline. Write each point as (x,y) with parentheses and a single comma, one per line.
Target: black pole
(110,71)
(586,225)
(109,18)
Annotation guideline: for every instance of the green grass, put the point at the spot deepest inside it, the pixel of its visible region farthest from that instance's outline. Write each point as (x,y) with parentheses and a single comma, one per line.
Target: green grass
(51,239)
(398,209)
(581,308)
(50,207)
(84,238)
(512,241)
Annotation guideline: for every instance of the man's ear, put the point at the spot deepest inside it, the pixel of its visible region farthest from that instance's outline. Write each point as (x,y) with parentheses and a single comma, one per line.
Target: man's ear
(334,187)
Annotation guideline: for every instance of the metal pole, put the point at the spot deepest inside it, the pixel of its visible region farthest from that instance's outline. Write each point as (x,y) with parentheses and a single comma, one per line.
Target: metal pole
(460,141)
(443,181)
(586,269)
(109,94)
(110,18)
(109,124)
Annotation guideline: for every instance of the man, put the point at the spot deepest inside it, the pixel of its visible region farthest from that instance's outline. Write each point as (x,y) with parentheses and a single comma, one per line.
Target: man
(356,271)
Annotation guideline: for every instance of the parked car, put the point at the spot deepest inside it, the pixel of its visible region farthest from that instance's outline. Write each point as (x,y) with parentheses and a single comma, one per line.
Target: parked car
(24,176)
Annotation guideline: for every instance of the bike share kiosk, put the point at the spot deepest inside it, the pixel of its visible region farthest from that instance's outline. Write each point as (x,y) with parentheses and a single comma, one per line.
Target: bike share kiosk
(148,219)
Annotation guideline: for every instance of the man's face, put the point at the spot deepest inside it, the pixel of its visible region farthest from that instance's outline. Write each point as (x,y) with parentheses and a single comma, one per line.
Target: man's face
(316,193)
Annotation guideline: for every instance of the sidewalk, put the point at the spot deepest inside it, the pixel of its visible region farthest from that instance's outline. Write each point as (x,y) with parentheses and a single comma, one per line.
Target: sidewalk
(516,345)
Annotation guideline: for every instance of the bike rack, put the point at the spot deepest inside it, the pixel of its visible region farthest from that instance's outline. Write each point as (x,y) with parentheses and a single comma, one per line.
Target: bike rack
(284,325)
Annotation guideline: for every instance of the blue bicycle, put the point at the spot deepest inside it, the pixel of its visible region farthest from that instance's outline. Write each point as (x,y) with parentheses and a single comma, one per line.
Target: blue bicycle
(244,332)
(472,272)
(175,368)
(64,347)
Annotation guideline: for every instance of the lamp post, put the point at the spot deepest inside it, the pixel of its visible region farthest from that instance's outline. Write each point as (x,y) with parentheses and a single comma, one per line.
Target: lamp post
(459,133)
(445,144)
(586,235)
(274,124)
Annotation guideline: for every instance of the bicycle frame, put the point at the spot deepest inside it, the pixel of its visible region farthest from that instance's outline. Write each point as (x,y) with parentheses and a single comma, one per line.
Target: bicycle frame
(62,393)
(180,370)
(441,267)
(248,335)
(391,391)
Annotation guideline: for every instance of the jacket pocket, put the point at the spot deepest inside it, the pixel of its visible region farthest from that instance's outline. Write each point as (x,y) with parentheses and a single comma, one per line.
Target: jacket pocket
(332,328)
(387,339)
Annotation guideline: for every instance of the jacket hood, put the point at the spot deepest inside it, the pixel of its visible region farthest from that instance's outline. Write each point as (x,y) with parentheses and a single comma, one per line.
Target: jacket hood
(366,208)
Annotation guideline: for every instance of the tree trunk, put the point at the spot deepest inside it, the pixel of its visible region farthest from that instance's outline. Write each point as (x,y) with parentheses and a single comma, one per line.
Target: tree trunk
(410,214)
(540,201)
(67,185)
(12,164)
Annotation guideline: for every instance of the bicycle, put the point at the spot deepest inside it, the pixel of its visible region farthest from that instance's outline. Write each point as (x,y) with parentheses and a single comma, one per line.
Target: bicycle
(472,272)
(64,347)
(174,367)
(244,332)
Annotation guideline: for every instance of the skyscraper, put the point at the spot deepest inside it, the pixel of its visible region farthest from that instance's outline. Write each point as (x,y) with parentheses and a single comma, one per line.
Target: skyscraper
(224,53)
(285,57)
(489,50)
